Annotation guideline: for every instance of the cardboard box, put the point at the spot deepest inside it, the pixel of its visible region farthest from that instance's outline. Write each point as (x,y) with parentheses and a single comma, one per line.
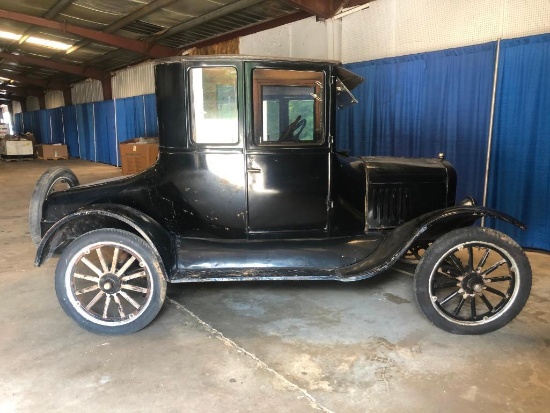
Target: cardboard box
(138,154)
(16,148)
(55,151)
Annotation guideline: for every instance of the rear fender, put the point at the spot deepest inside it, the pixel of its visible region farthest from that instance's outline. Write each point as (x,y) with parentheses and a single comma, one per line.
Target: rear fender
(429,226)
(107,216)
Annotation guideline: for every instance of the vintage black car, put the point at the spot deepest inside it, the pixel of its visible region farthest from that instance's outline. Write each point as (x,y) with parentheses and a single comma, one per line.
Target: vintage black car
(248,186)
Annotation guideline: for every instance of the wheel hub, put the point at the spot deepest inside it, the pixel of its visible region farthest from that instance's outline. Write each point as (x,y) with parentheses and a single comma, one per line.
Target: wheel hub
(109,284)
(473,283)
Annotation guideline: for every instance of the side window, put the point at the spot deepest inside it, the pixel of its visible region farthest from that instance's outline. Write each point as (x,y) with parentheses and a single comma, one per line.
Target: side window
(214,105)
(288,108)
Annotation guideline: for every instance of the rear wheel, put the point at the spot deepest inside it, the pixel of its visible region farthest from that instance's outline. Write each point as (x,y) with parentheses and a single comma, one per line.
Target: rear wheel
(472,281)
(110,282)
(54,179)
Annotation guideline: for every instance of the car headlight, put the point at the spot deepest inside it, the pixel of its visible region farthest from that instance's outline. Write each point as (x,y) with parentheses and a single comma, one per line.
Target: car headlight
(468,201)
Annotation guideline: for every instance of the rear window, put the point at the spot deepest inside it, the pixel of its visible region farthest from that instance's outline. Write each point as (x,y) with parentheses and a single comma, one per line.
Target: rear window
(214,111)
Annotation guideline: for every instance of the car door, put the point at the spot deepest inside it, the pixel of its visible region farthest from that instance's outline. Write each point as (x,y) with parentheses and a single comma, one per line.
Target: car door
(287,151)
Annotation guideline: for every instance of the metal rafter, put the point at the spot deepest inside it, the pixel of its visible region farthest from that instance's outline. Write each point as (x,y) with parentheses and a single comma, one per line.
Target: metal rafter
(44,83)
(52,64)
(222,11)
(14,97)
(325,9)
(251,30)
(125,21)
(50,14)
(22,90)
(138,46)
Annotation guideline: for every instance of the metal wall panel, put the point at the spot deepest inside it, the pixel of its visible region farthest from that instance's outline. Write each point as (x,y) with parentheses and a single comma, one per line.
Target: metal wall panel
(134,81)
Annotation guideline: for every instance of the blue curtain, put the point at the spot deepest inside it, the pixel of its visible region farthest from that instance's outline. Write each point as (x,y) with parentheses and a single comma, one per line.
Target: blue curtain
(86,131)
(104,122)
(44,126)
(420,105)
(18,126)
(92,131)
(519,179)
(130,114)
(56,123)
(71,130)
(151,122)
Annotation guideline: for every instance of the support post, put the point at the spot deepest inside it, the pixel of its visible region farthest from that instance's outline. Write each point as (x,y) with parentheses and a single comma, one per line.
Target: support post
(490,137)
(107,89)
(42,101)
(67,96)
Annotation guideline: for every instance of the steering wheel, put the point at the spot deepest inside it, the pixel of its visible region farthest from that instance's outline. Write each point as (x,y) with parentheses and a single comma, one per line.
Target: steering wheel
(293,131)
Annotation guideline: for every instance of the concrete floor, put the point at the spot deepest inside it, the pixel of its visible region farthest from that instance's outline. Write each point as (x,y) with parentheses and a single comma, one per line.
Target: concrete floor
(255,347)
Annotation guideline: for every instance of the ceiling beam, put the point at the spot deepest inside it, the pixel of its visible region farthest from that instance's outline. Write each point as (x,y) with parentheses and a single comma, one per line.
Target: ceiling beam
(325,9)
(43,83)
(56,65)
(222,11)
(138,14)
(50,14)
(126,20)
(22,90)
(251,29)
(138,46)
(57,8)
(15,97)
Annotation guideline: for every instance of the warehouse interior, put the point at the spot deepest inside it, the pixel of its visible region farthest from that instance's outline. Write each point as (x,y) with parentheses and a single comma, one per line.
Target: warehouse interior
(467,79)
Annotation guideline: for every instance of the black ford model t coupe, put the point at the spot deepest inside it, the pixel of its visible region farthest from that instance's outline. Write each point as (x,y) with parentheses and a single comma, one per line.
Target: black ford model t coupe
(248,186)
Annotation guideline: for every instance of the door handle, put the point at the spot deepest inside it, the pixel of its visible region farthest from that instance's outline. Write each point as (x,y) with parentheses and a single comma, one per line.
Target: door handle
(254,170)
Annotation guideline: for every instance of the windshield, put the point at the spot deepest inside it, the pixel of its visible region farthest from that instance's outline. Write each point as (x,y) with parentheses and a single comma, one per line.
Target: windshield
(345,82)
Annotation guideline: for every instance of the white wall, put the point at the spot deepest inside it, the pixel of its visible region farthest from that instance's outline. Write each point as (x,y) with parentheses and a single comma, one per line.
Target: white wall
(400,27)
(306,38)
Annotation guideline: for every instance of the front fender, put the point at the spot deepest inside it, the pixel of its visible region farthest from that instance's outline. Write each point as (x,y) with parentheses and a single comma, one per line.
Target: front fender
(107,216)
(429,226)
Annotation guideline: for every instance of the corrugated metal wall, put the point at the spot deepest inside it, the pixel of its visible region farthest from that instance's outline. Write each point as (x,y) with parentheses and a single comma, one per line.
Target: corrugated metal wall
(134,81)
(54,99)
(87,91)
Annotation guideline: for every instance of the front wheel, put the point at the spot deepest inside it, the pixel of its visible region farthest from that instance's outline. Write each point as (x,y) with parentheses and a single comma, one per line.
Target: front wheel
(472,281)
(110,282)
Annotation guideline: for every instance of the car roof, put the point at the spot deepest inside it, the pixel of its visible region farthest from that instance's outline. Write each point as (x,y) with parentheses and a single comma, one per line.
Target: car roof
(243,58)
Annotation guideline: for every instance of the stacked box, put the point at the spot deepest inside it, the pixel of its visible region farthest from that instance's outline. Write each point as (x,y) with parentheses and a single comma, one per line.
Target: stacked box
(138,154)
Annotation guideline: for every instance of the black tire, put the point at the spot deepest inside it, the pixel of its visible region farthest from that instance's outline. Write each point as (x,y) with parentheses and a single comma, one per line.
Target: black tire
(106,291)
(45,186)
(476,295)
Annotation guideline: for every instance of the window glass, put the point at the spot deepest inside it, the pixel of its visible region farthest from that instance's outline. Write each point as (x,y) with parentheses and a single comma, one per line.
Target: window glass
(214,105)
(287,107)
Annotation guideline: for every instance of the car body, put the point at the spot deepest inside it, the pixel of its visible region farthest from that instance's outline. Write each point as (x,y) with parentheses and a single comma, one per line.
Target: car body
(249,186)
